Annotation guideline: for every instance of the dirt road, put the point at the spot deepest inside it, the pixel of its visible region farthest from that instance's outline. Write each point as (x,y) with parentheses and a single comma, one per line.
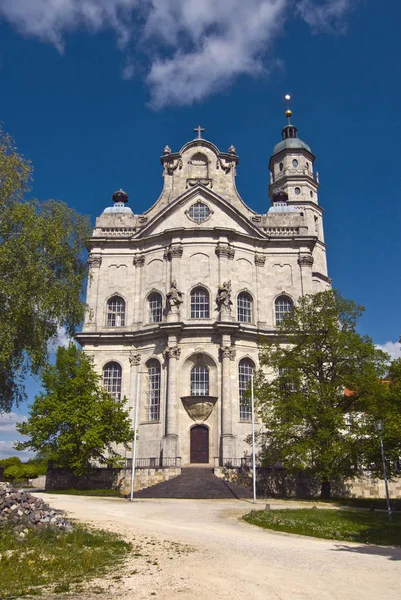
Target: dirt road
(199,549)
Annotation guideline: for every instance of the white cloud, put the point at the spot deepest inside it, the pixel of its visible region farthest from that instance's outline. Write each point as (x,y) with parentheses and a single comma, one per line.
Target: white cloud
(60,339)
(392,348)
(324,14)
(8,422)
(7,449)
(194,47)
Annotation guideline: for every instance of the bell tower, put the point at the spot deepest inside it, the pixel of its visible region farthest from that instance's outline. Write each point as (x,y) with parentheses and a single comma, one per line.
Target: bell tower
(293,176)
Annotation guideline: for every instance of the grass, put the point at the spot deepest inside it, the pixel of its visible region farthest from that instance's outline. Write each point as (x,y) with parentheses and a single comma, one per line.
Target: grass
(367,503)
(54,561)
(73,492)
(345,525)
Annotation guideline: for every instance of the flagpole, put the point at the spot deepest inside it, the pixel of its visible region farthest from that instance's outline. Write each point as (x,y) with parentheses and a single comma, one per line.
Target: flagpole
(134,440)
(253,441)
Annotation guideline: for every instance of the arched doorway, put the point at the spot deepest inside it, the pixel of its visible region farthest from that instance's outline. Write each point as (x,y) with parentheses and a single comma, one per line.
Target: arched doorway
(199,444)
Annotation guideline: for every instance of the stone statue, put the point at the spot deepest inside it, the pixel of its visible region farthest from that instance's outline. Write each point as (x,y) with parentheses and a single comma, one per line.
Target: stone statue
(174,297)
(223,298)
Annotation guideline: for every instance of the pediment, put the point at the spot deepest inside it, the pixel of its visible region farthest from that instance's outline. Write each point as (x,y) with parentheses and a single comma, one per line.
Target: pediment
(179,215)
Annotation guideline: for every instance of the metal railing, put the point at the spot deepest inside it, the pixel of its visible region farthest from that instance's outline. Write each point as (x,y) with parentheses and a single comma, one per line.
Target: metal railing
(153,463)
(233,463)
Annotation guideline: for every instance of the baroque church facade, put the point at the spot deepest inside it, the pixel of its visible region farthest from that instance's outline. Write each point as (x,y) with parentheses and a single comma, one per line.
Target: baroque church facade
(180,295)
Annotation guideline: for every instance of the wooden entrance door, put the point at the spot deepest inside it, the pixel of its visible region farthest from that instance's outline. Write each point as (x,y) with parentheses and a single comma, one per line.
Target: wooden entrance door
(199,444)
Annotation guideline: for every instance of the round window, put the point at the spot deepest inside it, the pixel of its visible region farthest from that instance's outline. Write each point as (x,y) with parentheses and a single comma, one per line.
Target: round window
(199,212)
(295,163)
(297,191)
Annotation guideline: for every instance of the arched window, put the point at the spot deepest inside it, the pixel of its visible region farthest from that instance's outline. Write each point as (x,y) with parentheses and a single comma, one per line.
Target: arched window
(155,308)
(200,381)
(200,304)
(116,312)
(245,370)
(283,306)
(112,379)
(244,307)
(153,391)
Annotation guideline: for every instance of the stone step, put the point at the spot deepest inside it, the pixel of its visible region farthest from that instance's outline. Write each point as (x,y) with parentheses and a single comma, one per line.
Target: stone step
(195,483)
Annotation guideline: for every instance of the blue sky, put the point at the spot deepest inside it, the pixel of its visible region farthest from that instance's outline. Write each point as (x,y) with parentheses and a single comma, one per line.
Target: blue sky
(92,90)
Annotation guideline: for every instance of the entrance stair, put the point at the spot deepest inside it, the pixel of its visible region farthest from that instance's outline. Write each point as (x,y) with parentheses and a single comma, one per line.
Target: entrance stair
(195,482)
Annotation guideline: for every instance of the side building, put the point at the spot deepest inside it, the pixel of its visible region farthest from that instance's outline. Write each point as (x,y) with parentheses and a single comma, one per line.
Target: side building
(180,295)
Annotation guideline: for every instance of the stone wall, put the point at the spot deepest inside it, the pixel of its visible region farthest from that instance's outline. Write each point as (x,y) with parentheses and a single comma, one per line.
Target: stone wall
(273,483)
(103,478)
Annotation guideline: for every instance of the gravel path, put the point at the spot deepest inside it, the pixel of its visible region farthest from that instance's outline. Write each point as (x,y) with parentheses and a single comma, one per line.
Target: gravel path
(199,549)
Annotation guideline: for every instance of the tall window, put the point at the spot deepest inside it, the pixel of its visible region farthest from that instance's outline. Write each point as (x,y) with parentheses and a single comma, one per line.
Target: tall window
(112,379)
(283,306)
(200,381)
(244,307)
(200,304)
(155,308)
(245,370)
(116,312)
(153,391)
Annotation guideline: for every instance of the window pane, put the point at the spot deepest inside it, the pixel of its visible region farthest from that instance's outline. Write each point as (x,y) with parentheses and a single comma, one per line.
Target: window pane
(199,212)
(112,379)
(245,370)
(244,308)
(199,304)
(155,308)
(116,312)
(200,381)
(153,391)
(283,306)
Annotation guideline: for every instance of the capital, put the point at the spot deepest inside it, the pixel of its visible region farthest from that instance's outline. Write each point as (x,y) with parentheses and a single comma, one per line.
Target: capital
(173,251)
(94,261)
(225,250)
(134,359)
(305,260)
(260,260)
(228,352)
(172,352)
(139,260)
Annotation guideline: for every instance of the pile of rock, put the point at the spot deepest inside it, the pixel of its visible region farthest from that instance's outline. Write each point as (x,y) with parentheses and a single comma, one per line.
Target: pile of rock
(23,511)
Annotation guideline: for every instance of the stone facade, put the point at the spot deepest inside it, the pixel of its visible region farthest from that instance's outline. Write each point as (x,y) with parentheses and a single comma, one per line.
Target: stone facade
(179,296)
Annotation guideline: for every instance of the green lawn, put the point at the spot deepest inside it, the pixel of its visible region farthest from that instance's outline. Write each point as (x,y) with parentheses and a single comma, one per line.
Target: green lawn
(54,561)
(346,525)
(73,492)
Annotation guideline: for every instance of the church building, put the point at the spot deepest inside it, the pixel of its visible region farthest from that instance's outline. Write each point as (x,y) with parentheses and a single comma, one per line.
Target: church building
(180,295)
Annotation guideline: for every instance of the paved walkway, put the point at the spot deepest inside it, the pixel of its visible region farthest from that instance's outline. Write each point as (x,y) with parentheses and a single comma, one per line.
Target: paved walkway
(199,549)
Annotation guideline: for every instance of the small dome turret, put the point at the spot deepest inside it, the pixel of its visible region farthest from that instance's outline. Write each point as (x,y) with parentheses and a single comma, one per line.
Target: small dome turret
(120,199)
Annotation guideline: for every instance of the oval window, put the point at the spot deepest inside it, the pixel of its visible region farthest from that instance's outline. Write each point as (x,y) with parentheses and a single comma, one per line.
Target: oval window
(295,163)
(199,212)
(297,191)
(281,166)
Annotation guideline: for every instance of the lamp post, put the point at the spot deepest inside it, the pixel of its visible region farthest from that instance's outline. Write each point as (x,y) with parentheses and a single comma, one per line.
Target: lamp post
(135,436)
(379,428)
(253,441)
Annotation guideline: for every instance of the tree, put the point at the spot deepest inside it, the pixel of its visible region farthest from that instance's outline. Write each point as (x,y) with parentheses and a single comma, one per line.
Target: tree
(75,421)
(42,271)
(324,392)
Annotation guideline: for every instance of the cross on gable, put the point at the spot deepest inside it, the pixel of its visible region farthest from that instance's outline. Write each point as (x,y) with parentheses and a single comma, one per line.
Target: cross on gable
(199,130)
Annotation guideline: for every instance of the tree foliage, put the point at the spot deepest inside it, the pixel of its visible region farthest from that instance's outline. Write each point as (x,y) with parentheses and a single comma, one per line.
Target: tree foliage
(323,391)
(75,421)
(42,271)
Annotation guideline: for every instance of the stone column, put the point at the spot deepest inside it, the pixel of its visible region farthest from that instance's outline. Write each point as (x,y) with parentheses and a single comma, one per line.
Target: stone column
(134,361)
(260,313)
(227,438)
(138,261)
(305,262)
(170,441)
(92,320)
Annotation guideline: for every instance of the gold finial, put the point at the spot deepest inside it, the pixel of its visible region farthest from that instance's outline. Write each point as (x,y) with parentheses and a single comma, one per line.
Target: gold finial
(288,112)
